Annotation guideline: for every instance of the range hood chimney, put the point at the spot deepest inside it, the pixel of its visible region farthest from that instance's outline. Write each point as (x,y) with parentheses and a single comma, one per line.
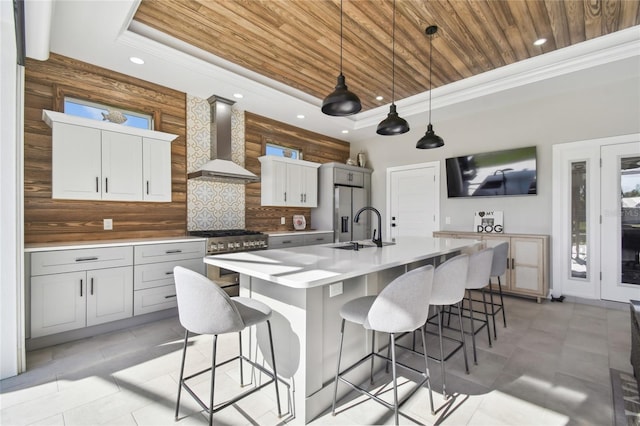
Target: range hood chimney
(220,168)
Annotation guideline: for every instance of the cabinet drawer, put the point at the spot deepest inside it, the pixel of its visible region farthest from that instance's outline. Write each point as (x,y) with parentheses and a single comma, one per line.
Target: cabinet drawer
(154,299)
(153,253)
(59,261)
(161,274)
(348,177)
(285,241)
(312,239)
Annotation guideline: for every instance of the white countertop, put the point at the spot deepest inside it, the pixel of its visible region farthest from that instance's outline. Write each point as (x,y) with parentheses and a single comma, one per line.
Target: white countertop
(30,248)
(311,266)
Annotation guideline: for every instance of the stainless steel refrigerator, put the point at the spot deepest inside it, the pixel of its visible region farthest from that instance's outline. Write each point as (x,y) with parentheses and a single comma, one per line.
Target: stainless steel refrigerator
(347,202)
(342,191)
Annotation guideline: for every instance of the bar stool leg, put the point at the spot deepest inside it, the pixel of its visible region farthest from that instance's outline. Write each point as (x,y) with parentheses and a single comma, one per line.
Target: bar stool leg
(464,345)
(393,373)
(213,378)
(493,310)
(473,328)
(486,318)
(240,350)
(275,373)
(184,357)
(504,318)
(444,386)
(373,345)
(335,385)
(426,366)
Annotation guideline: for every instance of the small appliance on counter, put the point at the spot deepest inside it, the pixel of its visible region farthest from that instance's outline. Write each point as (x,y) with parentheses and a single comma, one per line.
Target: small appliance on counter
(299,222)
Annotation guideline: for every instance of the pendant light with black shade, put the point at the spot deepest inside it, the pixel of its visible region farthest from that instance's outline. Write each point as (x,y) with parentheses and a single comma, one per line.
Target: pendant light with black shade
(430,139)
(393,124)
(341,102)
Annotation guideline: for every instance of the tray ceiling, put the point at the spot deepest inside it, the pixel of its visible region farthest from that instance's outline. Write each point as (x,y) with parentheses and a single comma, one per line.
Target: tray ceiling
(297,42)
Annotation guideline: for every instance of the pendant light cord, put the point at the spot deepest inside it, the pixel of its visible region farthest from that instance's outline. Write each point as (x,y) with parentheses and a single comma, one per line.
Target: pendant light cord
(393,56)
(340,37)
(430,85)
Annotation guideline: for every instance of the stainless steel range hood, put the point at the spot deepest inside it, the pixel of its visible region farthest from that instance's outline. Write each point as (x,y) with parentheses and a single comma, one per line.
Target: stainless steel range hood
(220,168)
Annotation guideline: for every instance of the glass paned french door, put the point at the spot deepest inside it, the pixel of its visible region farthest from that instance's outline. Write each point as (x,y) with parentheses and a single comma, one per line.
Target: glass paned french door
(620,236)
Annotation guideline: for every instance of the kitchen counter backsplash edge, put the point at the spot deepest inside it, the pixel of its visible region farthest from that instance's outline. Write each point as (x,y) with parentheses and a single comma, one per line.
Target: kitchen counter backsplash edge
(30,248)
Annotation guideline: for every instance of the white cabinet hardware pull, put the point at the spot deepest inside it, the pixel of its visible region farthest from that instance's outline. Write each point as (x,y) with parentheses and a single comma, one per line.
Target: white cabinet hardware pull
(85,259)
(173,251)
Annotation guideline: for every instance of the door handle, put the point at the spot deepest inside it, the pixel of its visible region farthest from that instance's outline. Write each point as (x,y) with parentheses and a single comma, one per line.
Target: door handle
(345,224)
(106,185)
(80,287)
(97,183)
(92,286)
(147,187)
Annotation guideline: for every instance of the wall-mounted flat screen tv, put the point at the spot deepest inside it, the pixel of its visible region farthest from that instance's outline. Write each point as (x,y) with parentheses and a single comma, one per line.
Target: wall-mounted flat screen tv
(493,174)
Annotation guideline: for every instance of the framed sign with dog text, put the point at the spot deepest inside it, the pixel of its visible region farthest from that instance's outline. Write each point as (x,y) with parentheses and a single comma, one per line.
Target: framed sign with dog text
(489,222)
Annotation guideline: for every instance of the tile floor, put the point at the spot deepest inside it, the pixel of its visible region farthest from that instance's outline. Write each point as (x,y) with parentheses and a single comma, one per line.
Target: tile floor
(550,366)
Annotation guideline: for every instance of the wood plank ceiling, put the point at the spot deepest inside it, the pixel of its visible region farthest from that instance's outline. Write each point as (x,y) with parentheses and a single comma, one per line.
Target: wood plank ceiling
(297,42)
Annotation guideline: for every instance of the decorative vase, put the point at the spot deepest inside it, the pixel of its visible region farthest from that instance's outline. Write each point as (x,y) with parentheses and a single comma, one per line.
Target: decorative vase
(362,159)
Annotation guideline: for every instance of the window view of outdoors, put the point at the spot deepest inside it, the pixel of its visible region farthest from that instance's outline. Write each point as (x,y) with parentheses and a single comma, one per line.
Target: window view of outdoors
(630,219)
(579,219)
(281,151)
(95,111)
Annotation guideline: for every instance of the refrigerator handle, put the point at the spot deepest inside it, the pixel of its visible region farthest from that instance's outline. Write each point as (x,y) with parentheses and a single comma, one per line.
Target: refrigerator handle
(345,224)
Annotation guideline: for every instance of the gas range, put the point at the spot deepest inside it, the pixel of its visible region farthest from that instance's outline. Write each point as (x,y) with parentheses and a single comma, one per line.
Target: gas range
(232,240)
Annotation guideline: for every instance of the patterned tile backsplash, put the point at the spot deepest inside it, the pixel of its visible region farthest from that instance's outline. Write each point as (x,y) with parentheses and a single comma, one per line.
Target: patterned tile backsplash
(212,205)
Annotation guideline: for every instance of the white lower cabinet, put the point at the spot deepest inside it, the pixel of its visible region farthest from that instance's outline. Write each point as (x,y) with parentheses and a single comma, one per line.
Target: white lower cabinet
(72,289)
(154,286)
(83,287)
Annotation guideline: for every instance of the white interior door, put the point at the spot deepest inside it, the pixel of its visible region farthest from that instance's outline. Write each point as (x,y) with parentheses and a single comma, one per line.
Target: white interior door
(413,200)
(620,210)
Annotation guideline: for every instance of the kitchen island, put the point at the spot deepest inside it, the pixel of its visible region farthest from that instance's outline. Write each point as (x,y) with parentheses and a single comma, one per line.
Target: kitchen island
(306,287)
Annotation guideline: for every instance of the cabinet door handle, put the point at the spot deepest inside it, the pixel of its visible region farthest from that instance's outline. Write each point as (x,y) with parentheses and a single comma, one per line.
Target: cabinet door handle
(169,273)
(513,263)
(305,198)
(106,185)
(286,242)
(285,196)
(173,251)
(344,224)
(147,187)
(301,198)
(97,183)
(170,296)
(92,286)
(85,259)
(80,287)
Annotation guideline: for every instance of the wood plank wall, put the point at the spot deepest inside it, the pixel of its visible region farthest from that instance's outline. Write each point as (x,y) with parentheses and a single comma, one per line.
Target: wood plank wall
(47,220)
(315,147)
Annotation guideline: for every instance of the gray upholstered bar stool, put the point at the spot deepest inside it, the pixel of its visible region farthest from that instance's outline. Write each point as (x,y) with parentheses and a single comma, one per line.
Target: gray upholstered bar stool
(449,283)
(204,308)
(477,278)
(401,307)
(498,268)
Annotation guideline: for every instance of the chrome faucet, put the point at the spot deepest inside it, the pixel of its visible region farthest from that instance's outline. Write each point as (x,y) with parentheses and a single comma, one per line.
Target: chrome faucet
(378,241)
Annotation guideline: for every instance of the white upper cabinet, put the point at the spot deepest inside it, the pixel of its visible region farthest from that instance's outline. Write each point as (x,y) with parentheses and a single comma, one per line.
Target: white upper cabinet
(287,182)
(94,160)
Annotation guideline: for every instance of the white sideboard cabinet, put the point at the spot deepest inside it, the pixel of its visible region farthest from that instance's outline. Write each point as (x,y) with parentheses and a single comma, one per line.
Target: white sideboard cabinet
(287,182)
(95,160)
(527,271)
(72,289)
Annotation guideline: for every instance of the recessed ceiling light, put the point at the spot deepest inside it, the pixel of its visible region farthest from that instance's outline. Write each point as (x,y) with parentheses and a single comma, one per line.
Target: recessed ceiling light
(379,98)
(301,116)
(345,131)
(540,42)
(238,95)
(136,60)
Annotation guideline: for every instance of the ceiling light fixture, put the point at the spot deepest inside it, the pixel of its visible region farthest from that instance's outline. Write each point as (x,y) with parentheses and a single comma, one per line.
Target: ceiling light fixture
(341,101)
(430,139)
(300,116)
(345,131)
(393,124)
(540,42)
(238,95)
(136,60)
(379,98)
